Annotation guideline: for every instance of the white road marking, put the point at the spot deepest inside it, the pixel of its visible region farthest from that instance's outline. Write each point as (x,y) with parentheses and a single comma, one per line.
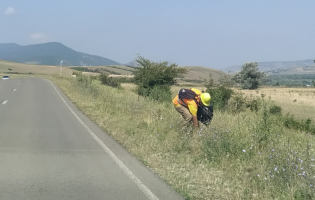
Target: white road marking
(14,90)
(122,166)
(4,102)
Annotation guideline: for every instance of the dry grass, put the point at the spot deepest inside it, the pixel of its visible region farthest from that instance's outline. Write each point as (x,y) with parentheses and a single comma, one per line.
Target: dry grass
(150,131)
(128,86)
(201,73)
(32,69)
(297,101)
(117,69)
(121,76)
(195,163)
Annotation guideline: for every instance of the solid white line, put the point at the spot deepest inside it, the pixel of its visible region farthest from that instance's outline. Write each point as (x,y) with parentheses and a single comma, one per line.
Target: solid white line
(127,171)
(5,102)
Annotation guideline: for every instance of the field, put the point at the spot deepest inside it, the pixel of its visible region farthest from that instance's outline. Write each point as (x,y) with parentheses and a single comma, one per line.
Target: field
(18,68)
(299,102)
(241,155)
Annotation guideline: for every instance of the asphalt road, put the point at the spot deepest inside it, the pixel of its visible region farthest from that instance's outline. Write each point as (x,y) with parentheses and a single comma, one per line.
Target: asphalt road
(50,150)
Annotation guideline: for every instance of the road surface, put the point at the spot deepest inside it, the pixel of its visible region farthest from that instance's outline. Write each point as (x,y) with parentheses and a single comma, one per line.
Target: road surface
(50,150)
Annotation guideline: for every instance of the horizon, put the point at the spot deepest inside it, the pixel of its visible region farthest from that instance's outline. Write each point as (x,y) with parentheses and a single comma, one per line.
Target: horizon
(212,34)
(183,66)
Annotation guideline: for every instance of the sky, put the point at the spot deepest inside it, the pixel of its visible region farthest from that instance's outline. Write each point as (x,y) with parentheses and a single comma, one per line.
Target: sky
(210,33)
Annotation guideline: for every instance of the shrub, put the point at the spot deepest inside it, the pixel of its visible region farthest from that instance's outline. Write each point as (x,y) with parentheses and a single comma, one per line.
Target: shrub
(220,97)
(154,79)
(254,104)
(151,73)
(161,93)
(236,103)
(275,110)
(77,73)
(84,80)
(110,81)
(290,122)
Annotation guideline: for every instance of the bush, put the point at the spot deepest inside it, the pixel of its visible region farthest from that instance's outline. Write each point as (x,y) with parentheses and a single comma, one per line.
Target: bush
(236,103)
(110,81)
(151,73)
(290,122)
(275,110)
(77,73)
(254,104)
(85,81)
(154,79)
(220,97)
(161,93)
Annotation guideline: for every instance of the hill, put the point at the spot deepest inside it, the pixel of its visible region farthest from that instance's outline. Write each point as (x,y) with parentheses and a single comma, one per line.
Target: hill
(51,53)
(275,66)
(7,67)
(132,64)
(196,74)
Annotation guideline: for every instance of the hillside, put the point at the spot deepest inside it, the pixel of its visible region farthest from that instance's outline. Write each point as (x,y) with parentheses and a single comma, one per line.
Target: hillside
(51,53)
(293,70)
(195,74)
(7,67)
(198,74)
(275,66)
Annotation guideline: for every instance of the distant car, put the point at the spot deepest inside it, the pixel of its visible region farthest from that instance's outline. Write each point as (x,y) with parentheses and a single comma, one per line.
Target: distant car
(5,77)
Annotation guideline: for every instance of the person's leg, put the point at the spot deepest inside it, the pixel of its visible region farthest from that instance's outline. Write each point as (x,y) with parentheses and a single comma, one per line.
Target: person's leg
(185,113)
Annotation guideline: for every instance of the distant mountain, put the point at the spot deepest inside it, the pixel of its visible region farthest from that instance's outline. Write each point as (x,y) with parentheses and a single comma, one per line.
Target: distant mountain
(132,64)
(51,53)
(275,66)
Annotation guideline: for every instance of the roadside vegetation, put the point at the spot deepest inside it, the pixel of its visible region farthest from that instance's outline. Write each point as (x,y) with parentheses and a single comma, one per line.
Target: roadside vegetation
(154,80)
(251,150)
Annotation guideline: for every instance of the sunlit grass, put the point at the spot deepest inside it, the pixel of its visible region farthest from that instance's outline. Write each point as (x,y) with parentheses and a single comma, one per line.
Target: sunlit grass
(297,101)
(29,69)
(240,156)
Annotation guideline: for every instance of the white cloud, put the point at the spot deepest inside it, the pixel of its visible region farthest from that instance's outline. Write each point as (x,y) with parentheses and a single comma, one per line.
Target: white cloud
(9,11)
(37,36)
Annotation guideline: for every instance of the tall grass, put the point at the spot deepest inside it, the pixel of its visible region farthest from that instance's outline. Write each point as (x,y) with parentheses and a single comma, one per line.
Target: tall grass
(245,155)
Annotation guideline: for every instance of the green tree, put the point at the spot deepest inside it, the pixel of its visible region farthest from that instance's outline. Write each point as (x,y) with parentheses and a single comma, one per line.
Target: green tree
(250,77)
(154,78)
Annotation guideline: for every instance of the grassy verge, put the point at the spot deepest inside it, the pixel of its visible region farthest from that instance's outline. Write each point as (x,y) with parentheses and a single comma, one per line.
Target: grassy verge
(249,155)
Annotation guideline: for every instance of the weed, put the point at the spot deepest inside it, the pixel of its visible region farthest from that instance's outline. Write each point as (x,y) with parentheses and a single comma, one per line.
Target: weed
(275,110)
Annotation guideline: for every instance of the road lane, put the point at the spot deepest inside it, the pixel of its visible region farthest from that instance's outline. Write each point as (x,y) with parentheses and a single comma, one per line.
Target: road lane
(46,152)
